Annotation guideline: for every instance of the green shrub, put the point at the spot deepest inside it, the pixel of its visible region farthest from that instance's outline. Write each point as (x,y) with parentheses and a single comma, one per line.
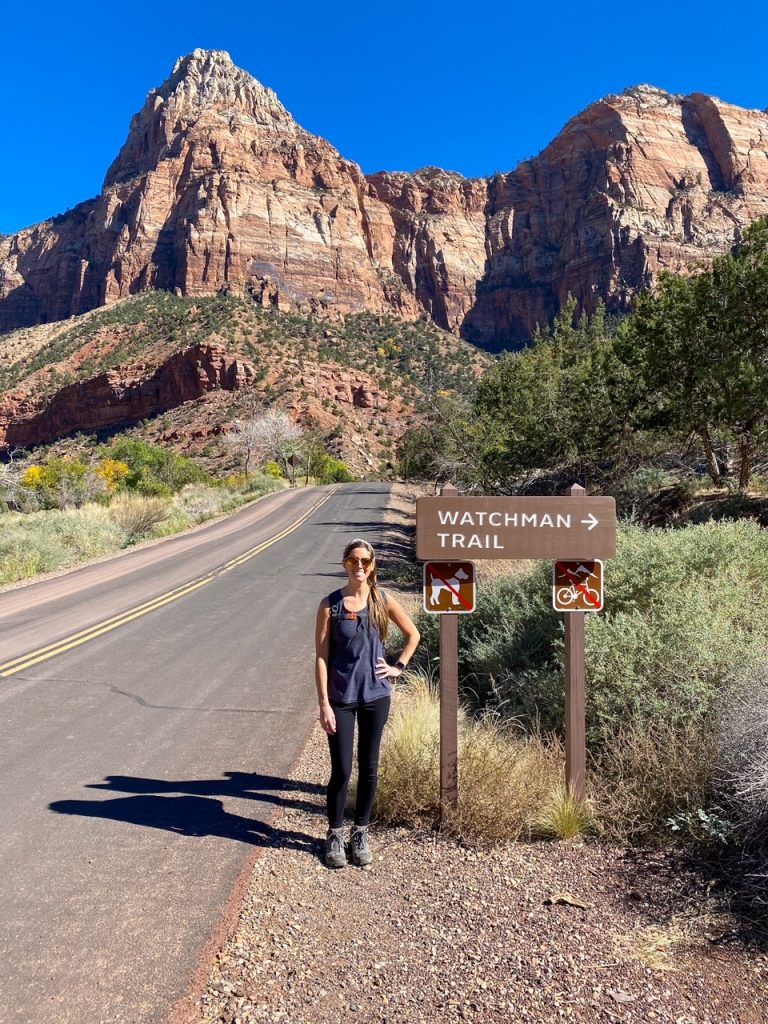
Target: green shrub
(637,494)
(333,471)
(272,469)
(153,470)
(684,615)
(38,542)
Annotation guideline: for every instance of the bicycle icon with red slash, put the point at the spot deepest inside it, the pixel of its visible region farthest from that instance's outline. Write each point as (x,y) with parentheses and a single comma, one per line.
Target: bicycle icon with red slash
(577,586)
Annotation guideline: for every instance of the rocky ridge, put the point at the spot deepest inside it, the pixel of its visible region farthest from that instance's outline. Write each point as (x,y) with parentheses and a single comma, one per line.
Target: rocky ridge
(217,188)
(180,371)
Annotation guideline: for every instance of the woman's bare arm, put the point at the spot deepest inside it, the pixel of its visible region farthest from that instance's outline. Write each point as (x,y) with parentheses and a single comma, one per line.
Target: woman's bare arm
(322,645)
(405,624)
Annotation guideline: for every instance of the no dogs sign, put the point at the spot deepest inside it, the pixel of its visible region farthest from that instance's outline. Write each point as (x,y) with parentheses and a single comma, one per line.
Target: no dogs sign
(449,588)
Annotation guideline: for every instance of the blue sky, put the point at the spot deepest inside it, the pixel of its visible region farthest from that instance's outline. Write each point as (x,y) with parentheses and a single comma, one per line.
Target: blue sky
(474,88)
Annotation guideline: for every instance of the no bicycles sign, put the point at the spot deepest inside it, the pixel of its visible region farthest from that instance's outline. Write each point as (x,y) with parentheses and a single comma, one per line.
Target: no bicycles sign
(577,586)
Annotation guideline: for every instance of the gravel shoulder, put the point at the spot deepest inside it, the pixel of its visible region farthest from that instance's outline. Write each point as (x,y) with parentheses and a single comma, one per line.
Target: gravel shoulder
(435,931)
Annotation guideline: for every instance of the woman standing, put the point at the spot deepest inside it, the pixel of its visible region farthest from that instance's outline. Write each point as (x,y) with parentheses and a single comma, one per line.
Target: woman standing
(353,682)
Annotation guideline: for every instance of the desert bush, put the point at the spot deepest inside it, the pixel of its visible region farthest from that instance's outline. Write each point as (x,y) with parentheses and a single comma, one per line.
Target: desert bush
(647,776)
(38,542)
(176,521)
(201,502)
(743,747)
(261,483)
(684,615)
(137,514)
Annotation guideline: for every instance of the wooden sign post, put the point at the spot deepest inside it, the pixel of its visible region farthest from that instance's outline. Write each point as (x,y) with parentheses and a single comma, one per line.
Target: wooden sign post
(575,715)
(449,705)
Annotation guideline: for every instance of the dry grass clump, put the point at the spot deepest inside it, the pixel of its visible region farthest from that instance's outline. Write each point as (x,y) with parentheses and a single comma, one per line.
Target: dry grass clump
(137,514)
(663,948)
(646,775)
(503,780)
(409,774)
(563,816)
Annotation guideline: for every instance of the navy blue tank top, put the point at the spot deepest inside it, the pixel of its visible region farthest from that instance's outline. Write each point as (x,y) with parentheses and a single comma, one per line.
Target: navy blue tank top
(354,648)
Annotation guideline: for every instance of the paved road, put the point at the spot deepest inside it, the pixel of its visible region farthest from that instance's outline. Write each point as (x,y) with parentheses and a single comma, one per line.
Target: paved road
(139,769)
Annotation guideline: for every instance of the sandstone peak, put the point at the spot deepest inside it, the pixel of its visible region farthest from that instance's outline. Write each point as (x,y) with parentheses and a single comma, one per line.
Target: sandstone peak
(210,80)
(204,84)
(218,188)
(652,95)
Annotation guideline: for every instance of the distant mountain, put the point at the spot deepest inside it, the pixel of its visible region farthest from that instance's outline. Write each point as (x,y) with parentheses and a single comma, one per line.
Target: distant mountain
(217,188)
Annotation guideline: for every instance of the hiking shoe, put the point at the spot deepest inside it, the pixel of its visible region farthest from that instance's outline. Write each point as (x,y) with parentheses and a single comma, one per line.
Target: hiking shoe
(335,856)
(361,851)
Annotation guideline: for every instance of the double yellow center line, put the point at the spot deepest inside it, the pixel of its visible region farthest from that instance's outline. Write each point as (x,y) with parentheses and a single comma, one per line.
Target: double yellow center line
(76,639)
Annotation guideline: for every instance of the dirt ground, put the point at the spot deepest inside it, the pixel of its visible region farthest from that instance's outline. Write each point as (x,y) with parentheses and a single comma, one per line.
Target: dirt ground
(434,931)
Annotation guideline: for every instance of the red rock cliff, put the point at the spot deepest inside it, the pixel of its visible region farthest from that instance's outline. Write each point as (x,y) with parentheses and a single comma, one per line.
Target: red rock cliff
(218,187)
(120,396)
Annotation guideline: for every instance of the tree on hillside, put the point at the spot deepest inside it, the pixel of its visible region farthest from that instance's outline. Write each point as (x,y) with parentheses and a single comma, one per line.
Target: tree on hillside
(271,434)
(313,453)
(562,402)
(444,447)
(700,348)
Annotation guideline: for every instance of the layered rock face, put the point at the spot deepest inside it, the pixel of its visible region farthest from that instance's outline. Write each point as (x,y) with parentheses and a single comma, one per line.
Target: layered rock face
(126,394)
(217,187)
(120,396)
(635,184)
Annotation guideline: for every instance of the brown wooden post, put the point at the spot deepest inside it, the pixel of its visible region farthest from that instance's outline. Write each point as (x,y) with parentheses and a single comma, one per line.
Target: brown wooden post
(449,706)
(575,716)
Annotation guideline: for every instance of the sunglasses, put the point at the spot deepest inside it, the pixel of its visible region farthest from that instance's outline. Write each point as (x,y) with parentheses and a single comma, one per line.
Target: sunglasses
(365,562)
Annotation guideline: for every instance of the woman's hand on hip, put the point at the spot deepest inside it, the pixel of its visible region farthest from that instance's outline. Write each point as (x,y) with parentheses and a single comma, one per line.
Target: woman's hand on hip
(327,718)
(386,671)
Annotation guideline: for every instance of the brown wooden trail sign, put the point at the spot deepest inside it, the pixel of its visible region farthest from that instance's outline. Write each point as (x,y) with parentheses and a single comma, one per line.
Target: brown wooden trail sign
(450,527)
(577,527)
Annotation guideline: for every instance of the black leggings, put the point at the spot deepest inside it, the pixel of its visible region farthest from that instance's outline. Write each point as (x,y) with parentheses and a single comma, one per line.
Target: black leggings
(371,719)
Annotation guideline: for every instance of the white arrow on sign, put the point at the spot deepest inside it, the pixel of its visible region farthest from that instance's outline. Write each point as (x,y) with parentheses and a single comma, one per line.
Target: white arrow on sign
(591,522)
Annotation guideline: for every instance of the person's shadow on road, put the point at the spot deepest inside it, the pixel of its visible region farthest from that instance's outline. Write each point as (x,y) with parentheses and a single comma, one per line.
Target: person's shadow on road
(195,813)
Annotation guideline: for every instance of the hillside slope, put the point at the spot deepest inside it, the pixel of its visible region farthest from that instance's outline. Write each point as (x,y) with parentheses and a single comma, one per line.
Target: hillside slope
(186,368)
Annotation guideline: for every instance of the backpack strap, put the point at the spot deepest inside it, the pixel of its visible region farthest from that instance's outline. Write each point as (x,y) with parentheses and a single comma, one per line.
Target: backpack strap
(336,603)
